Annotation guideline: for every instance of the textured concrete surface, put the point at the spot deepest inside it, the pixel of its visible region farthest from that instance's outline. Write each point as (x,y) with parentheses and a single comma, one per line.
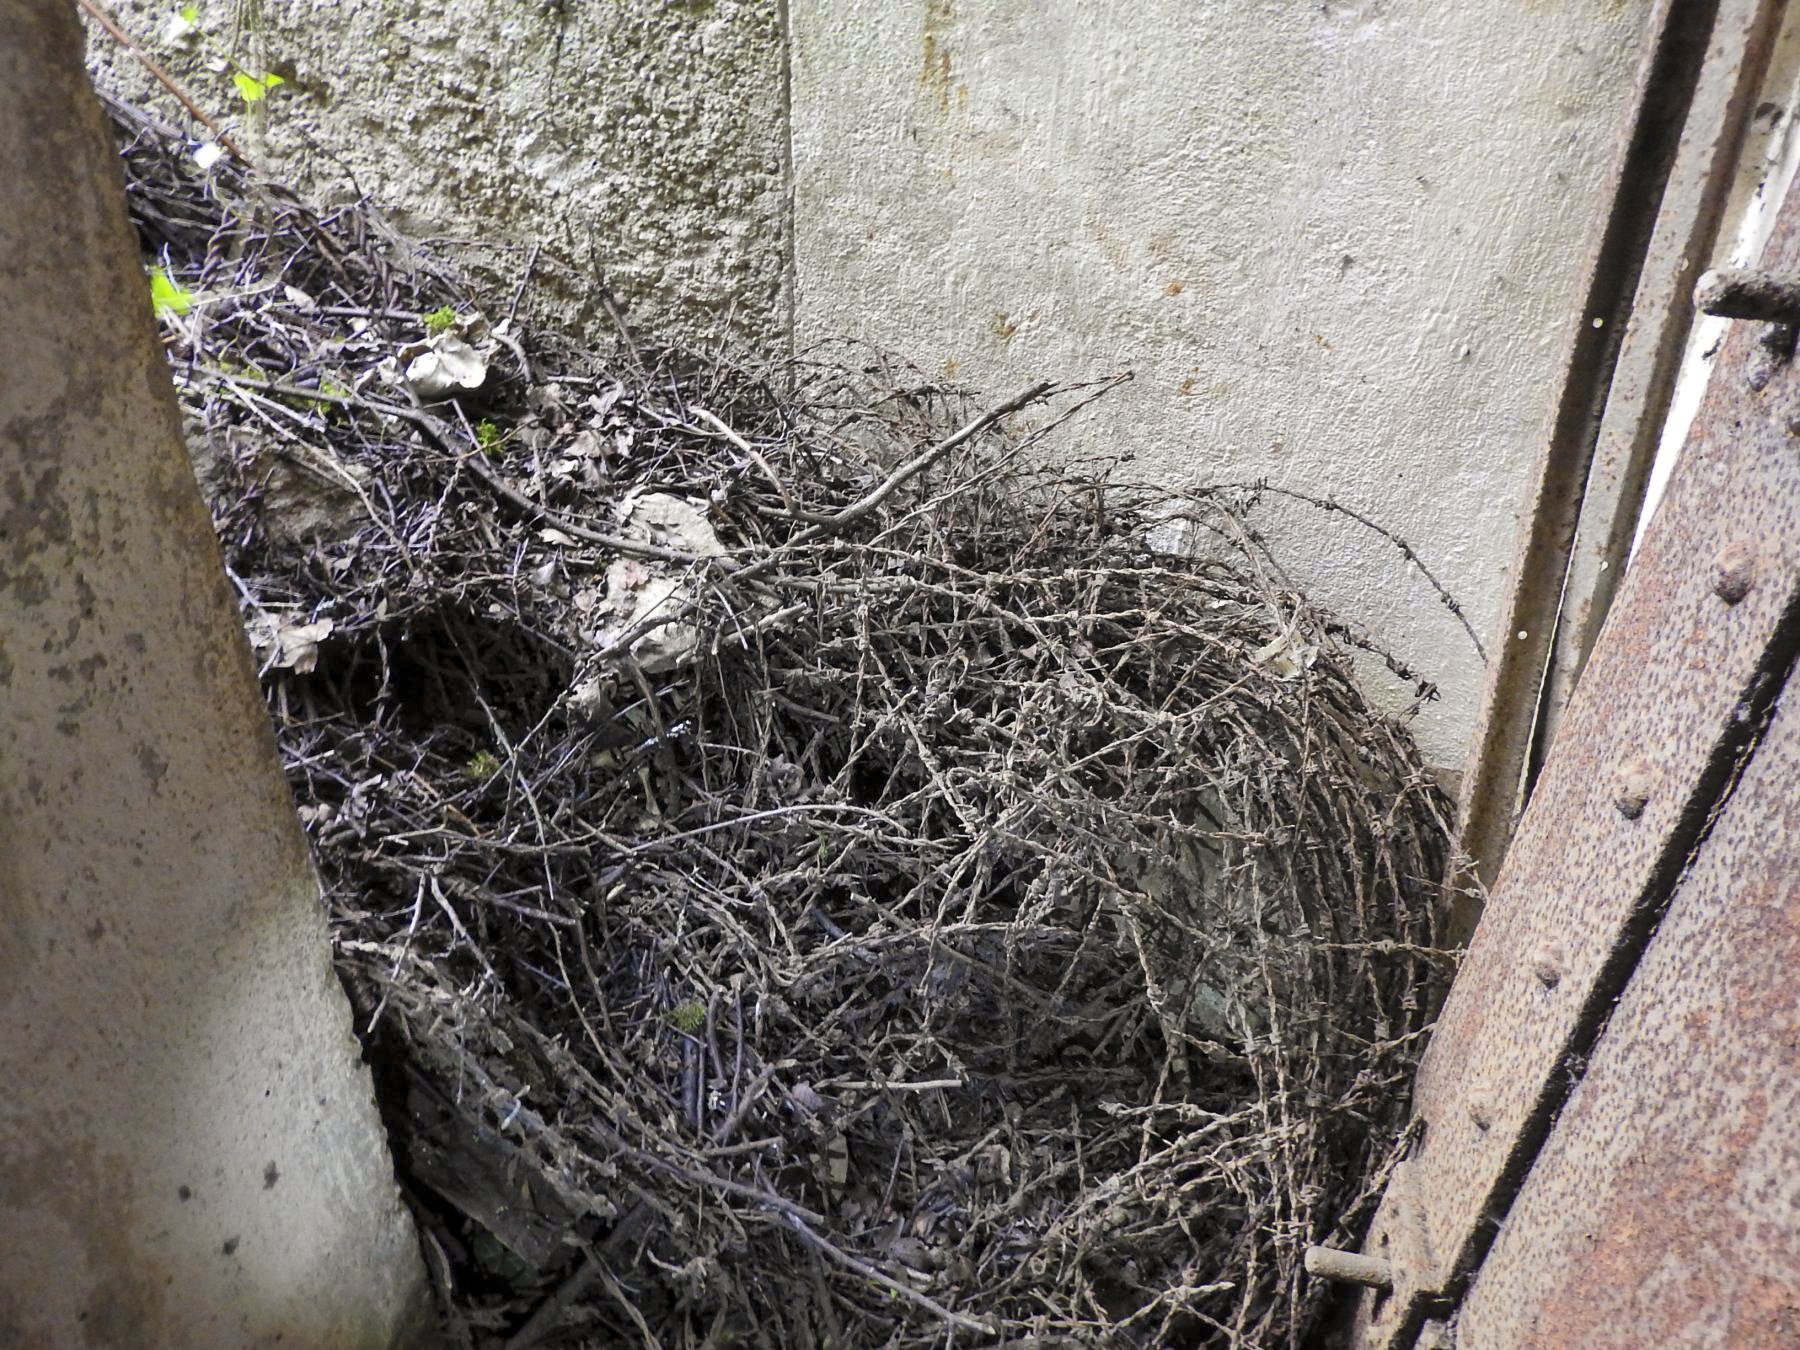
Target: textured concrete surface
(1338,243)
(644,138)
(189,1151)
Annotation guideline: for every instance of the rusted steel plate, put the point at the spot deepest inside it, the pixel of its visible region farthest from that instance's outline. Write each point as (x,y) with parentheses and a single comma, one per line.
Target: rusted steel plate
(1665,1208)
(1704,625)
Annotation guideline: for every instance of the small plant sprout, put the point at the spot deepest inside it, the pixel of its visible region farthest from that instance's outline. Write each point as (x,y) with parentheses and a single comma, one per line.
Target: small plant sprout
(488,436)
(167,295)
(255,88)
(183,26)
(689,1016)
(482,765)
(440,320)
(333,395)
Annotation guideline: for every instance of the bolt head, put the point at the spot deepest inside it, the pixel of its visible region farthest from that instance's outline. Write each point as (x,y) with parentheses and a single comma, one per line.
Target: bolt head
(1734,571)
(1635,782)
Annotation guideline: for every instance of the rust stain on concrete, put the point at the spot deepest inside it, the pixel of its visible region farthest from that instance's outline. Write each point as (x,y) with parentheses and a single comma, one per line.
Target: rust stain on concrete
(935,74)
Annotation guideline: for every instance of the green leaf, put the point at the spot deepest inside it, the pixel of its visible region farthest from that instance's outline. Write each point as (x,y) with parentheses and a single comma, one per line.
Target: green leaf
(168,296)
(191,14)
(255,89)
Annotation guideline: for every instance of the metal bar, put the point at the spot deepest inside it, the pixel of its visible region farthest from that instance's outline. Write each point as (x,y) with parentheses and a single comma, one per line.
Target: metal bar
(1747,293)
(1500,751)
(1330,1263)
(1637,401)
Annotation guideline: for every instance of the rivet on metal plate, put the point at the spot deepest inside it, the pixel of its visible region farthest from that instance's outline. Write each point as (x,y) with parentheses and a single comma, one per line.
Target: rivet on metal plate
(1333,1263)
(1734,571)
(1634,788)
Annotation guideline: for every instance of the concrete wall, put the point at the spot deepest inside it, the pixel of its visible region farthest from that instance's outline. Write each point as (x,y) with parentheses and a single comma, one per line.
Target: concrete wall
(189,1151)
(1339,244)
(645,138)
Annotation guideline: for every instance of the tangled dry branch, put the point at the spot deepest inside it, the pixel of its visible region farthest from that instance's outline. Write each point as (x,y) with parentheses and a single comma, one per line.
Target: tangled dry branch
(948,913)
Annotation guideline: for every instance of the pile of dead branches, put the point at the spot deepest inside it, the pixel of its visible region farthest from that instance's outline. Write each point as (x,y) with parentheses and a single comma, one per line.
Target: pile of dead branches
(807,876)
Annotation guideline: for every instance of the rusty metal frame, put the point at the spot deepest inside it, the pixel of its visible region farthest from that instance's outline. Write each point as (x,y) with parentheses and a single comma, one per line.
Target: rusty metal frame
(1500,755)
(1679,692)
(1665,1206)
(1643,381)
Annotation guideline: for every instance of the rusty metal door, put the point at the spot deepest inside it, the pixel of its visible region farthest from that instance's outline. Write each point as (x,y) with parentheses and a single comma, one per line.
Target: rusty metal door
(1607,1132)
